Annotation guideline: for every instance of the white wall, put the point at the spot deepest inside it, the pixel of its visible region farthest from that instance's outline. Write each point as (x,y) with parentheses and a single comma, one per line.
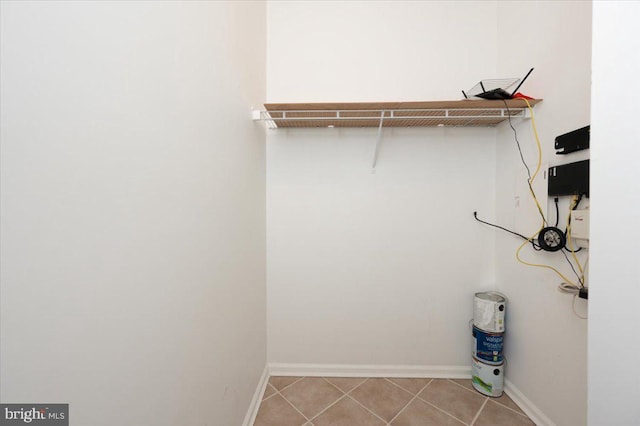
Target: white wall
(546,342)
(377,268)
(614,315)
(133,234)
(374,268)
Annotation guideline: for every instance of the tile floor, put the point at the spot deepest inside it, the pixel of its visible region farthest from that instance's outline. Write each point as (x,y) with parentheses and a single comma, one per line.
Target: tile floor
(339,401)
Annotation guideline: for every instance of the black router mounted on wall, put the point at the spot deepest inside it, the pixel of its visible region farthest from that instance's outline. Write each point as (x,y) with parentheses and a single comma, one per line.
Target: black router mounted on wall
(576,140)
(569,179)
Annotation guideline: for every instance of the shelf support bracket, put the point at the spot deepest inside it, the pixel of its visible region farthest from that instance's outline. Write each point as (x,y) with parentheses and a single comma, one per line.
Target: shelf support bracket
(378,141)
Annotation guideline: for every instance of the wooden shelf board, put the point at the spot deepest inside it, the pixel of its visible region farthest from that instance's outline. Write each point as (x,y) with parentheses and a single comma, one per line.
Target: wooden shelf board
(460,104)
(396,114)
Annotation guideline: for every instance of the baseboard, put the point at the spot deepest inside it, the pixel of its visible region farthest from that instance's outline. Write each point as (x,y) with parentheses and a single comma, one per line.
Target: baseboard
(529,408)
(357,370)
(252,412)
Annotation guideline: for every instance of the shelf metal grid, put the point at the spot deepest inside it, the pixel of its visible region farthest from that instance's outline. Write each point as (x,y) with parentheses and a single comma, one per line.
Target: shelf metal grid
(466,113)
(453,114)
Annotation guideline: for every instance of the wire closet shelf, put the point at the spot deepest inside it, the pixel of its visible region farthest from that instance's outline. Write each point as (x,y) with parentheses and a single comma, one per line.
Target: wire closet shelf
(481,113)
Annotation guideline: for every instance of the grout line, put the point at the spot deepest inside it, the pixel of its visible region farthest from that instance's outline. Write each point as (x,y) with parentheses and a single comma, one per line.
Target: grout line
(275,391)
(363,382)
(412,399)
(289,385)
(360,404)
(424,387)
(491,399)
(479,411)
(343,392)
(403,408)
(289,402)
(475,392)
(270,396)
(294,407)
(407,390)
(364,379)
(509,408)
(430,381)
(440,409)
(329,406)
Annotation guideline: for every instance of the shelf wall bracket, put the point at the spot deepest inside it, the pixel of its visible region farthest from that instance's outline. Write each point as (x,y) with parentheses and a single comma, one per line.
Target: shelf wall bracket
(378,141)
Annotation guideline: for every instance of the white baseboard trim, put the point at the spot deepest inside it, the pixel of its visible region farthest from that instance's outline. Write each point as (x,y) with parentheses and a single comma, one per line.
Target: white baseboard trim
(254,406)
(529,408)
(358,370)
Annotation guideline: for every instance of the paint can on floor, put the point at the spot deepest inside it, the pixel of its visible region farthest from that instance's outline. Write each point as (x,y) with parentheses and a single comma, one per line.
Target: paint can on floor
(487,346)
(489,310)
(487,379)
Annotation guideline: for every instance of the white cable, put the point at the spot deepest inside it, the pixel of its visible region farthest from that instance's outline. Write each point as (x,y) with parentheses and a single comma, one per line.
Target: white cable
(565,287)
(573,306)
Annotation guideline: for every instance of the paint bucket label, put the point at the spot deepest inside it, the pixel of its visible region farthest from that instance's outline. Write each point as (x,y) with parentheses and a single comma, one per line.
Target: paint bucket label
(488,311)
(487,379)
(488,347)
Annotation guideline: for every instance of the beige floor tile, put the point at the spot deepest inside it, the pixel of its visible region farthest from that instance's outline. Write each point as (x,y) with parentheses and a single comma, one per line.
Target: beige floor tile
(419,413)
(281,382)
(390,399)
(275,411)
(463,404)
(508,402)
(383,398)
(311,395)
(504,399)
(412,385)
(345,384)
(346,412)
(493,414)
(268,391)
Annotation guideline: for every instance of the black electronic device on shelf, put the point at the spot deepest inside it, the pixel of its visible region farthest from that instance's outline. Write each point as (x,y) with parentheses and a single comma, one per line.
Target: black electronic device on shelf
(495,89)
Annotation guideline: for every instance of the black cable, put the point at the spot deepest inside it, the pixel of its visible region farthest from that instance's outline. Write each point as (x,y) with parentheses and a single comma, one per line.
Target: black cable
(555,200)
(573,269)
(535,246)
(515,135)
(578,201)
